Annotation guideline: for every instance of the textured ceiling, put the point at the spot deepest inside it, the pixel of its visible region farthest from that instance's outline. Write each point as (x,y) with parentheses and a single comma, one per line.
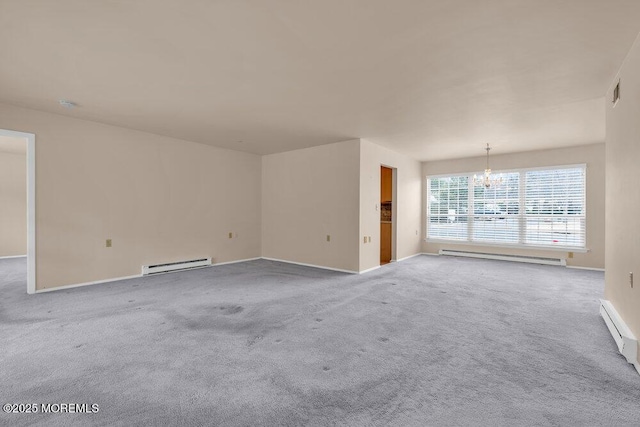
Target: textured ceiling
(431,79)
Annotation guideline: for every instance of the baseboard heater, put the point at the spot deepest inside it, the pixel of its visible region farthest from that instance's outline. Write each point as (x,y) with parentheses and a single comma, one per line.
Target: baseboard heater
(624,338)
(506,257)
(174,266)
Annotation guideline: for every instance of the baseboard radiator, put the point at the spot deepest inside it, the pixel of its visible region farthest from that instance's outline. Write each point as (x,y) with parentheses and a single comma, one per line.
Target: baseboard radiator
(174,266)
(506,257)
(624,338)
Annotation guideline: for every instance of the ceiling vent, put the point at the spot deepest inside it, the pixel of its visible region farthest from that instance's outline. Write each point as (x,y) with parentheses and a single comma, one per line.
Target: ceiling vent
(616,94)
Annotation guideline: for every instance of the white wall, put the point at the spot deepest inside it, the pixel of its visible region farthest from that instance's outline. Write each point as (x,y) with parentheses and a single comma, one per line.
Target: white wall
(408,201)
(159,199)
(308,194)
(592,155)
(13,204)
(623,193)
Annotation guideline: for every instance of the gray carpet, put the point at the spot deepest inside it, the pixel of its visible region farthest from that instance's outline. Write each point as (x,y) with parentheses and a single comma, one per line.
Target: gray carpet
(429,341)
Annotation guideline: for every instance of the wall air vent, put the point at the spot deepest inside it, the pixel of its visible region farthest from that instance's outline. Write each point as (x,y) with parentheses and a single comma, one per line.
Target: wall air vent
(616,94)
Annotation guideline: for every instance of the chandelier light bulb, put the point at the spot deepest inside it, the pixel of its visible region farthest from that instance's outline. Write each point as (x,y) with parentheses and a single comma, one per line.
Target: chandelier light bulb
(486,180)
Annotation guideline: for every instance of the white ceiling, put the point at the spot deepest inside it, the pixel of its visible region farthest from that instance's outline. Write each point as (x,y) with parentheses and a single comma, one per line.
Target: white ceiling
(13,145)
(432,79)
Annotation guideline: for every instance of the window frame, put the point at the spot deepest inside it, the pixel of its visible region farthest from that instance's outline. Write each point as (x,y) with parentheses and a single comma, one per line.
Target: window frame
(522,182)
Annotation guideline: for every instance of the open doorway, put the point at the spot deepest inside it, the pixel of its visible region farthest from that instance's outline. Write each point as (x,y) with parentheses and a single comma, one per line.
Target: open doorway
(17,201)
(387,214)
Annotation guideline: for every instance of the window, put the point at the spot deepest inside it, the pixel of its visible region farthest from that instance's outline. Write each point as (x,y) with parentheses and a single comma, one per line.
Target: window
(531,207)
(448,204)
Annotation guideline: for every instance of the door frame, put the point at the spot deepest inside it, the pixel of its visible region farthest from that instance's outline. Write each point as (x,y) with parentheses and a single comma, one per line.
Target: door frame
(31,204)
(394,209)
(394,213)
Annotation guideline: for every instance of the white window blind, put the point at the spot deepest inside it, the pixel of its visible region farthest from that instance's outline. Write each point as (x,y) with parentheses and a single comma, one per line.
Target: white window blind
(449,206)
(531,207)
(496,209)
(555,207)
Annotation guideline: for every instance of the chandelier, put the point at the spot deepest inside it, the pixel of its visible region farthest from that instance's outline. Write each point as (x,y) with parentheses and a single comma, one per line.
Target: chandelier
(486,180)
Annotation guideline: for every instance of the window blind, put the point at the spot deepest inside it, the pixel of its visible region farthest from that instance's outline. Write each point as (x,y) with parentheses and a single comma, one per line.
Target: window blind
(555,207)
(530,207)
(449,206)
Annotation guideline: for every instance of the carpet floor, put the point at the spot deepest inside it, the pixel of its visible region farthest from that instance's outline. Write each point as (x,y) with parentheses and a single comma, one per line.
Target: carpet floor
(429,341)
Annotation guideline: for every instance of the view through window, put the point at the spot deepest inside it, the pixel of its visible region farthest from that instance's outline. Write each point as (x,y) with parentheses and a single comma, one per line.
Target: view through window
(530,207)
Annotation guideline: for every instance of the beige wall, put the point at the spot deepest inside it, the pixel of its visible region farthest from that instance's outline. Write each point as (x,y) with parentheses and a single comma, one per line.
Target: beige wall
(408,200)
(13,204)
(623,193)
(335,189)
(160,199)
(592,155)
(308,194)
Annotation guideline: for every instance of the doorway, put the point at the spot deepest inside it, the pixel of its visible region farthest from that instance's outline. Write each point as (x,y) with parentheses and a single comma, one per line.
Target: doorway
(18,149)
(386,214)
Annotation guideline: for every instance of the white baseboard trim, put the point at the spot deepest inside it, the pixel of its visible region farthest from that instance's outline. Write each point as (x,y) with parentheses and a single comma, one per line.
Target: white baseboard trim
(369,269)
(137,276)
(585,268)
(235,262)
(116,279)
(13,256)
(311,265)
(410,256)
(77,285)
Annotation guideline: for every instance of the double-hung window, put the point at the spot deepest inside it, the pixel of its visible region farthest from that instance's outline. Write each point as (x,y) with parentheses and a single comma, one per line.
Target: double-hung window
(542,207)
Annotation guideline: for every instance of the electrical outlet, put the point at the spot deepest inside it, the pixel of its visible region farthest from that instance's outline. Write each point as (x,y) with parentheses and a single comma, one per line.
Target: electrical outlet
(108,243)
(365,239)
(369,239)
(328,237)
(570,255)
(631,279)
(230,235)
